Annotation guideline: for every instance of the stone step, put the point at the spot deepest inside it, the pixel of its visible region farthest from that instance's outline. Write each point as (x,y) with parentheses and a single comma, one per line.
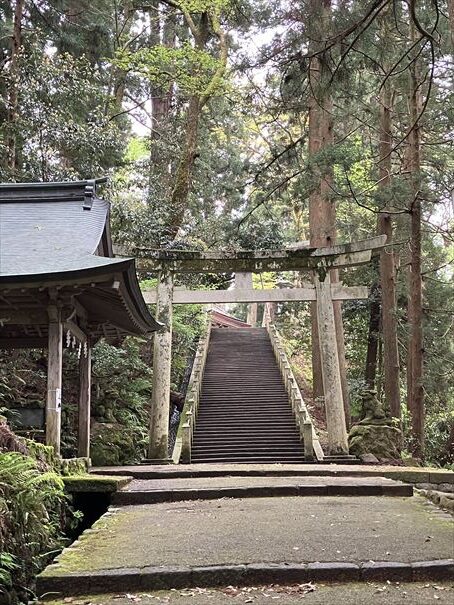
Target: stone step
(255,541)
(152,491)
(244,413)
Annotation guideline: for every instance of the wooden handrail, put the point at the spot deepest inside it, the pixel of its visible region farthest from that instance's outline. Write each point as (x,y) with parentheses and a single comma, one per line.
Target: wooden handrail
(312,448)
(185,432)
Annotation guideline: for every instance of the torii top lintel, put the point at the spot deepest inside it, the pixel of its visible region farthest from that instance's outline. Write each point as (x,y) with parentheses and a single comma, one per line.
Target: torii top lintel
(321,259)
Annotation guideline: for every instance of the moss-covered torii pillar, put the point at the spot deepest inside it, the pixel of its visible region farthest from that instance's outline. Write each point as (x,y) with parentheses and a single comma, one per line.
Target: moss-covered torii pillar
(162,358)
(332,386)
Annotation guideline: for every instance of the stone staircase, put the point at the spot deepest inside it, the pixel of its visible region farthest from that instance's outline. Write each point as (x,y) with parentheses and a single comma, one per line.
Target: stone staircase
(244,413)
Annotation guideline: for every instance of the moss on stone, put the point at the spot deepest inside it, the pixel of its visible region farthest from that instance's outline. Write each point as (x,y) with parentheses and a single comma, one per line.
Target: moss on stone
(94,483)
(74,466)
(42,453)
(381,440)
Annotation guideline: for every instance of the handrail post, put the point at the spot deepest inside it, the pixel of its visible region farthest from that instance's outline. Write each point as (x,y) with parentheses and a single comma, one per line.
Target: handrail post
(307,440)
(185,456)
(312,448)
(183,442)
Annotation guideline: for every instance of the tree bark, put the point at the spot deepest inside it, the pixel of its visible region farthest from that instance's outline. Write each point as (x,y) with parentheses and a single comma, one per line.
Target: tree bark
(415,313)
(119,85)
(373,337)
(13,96)
(387,265)
(451,21)
(322,209)
(160,108)
(184,170)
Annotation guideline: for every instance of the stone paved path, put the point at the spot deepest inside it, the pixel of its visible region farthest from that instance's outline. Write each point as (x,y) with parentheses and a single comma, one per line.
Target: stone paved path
(187,536)
(232,531)
(347,594)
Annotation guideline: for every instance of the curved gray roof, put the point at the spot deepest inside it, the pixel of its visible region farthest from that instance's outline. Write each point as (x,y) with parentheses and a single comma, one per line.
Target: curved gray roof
(58,233)
(39,236)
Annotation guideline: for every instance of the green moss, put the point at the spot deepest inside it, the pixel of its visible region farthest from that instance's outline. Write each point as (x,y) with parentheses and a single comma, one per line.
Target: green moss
(381,440)
(42,453)
(74,466)
(94,483)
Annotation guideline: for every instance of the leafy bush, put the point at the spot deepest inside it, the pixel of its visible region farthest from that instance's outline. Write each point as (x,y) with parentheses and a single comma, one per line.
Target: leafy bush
(32,515)
(439,432)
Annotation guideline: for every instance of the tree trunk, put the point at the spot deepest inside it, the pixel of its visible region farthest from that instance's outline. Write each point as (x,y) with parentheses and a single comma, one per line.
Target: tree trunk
(415,349)
(451,21)
(387,266)
(13,96)
(314,203)
(373,337)
(119,85)
(322,209)
(183,175)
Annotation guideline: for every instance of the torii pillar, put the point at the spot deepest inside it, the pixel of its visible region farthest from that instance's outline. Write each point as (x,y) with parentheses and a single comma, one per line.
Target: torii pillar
(332,386)
(158,447)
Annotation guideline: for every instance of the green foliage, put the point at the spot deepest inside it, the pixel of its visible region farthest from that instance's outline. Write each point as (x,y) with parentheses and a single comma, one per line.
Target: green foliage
(192,69)
(203,6)
(63,128)
(439,433)
(32,505)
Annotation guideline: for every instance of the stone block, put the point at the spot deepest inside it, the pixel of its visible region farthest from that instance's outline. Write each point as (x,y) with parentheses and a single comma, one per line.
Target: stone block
(386,570)
(218,575)
(441,569)
(398,489)
(408,476)
(114,580)
(276,573)
(440,476)
(446,487)
(368,459)
(424,486)
(159,578)
(333,572)
(381,440)
(354,490)
(61,585)
(447,501)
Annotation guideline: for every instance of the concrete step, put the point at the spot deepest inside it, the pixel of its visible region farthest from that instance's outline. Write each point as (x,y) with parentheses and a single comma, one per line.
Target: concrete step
(173,490)
(253,449)
(255,541)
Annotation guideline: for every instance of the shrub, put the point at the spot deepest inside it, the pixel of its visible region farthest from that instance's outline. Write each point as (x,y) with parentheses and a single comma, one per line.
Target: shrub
(32,515)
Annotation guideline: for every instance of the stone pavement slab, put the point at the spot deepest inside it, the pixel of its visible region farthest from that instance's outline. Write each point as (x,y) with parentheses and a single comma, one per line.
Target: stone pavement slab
(309,594)
(214,542)
(401,473)
(149,491)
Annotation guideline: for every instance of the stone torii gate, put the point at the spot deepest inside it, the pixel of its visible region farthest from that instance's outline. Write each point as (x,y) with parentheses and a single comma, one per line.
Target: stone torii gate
(318,260)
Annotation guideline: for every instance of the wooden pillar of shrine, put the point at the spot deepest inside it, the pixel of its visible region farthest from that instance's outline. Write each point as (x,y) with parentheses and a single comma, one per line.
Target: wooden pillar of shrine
(162,358)
(335,414)
(54,377)
(83,445)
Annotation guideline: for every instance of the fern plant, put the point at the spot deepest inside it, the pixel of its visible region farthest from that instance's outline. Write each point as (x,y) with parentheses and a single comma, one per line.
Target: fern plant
(32,505)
